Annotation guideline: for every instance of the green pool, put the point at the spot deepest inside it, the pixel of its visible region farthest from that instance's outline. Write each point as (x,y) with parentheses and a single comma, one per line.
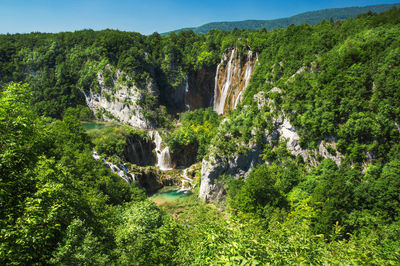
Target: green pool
(94,125)
(168,196)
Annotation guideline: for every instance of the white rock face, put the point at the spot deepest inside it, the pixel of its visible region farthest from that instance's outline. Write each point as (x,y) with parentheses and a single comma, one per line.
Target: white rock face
(120,101)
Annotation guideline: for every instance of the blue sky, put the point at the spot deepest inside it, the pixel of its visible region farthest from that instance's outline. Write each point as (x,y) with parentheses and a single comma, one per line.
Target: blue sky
(148,16)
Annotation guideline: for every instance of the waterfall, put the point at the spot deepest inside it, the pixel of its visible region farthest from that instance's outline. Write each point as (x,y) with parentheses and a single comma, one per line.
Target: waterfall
(141,149)
(163,156)
(219,102)
(238,99)
(186,179)
(187,84)
(187,105)
(249,70)
(231,80)
(164,159)
(247,75)
(123,173)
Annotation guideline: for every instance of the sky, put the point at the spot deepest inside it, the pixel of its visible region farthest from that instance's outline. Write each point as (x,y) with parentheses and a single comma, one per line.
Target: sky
(148,16)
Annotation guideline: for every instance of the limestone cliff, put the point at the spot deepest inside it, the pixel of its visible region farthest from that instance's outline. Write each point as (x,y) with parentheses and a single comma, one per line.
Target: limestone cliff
(117,98)
(239,165)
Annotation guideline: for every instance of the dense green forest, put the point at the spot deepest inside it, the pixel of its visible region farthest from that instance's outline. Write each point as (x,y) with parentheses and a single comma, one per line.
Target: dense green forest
(312,18)
(337,80)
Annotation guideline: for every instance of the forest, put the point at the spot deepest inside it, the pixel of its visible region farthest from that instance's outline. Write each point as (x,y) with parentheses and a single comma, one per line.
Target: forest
(337,82)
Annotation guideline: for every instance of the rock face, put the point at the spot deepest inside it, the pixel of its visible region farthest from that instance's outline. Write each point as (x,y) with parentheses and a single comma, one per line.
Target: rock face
(211,187)
(149,180)
(240,165)
(116,99)
(232,78)
(184,157)
(139,151)
(200,90)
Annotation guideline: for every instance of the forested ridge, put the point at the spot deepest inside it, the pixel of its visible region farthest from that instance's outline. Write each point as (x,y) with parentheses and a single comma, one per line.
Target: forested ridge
(338,83)
(312,18)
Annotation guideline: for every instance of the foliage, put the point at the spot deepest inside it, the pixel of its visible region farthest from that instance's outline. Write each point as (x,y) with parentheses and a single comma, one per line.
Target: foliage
(312,18)
(197,128)
(337,80)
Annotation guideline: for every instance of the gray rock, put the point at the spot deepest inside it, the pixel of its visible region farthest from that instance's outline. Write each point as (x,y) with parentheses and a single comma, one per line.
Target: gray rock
(120,101)
(238,166)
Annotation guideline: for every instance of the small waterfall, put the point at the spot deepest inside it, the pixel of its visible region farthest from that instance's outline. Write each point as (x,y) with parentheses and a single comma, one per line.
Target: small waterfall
(164,160)
(187,84)
(238,99)
(163,156)
(141,149)
(122,172)
(249,69)
(186,179)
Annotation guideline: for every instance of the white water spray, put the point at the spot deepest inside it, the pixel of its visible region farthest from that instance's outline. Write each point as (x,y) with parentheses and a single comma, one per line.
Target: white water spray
(163,156)
(219,102)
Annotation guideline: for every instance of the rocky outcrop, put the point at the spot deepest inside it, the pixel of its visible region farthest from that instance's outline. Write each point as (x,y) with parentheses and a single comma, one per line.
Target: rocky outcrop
(200,88)
(149,180)
(196,90)
(139,151)
(240,165)
(232,78)
(117,98)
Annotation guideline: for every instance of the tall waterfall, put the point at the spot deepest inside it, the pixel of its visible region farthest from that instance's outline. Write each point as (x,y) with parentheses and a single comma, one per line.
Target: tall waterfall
(220,104)
(231,79)
(163,156)
(187,105)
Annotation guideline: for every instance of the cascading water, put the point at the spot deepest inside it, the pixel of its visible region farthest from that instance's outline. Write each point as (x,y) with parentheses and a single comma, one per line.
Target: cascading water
(249,69)
(187,105)
(141,147)
(219,102)
(186,179)
(247,75)
(123,173)
(163,156)
(231,80)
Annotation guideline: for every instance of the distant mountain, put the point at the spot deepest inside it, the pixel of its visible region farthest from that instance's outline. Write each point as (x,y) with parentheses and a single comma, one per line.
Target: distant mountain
(312,18)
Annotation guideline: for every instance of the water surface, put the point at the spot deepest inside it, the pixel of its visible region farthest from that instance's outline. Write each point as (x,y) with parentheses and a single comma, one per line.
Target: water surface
(94,125)
(169,196)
